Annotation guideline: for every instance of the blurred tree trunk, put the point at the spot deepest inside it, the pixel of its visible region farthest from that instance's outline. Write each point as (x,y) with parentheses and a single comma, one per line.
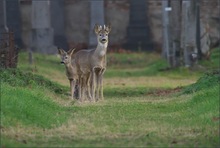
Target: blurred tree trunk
(14,20)
(96,17)
(198,30)
(188,36)
(42,32)
(166,31)
(3,26)
(57,23)
(175,32)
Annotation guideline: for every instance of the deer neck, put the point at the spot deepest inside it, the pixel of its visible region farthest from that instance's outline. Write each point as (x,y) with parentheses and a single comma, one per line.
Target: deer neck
(101,49)
(69,68)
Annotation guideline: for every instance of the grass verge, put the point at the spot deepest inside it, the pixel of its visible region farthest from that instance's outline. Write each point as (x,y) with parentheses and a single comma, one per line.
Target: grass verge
(33,113)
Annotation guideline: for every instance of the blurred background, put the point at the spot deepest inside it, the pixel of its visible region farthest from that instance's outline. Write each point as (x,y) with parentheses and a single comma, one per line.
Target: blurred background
(176,29)
(161,85)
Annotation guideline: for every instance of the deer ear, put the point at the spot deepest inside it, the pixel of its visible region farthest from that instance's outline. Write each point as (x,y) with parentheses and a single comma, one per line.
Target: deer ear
(70,52)
(60,51)
(96,28)
(108,28)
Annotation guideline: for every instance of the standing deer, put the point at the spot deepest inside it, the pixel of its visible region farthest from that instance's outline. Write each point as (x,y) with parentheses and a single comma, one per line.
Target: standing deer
(92,63)
(74,74)
(71,70)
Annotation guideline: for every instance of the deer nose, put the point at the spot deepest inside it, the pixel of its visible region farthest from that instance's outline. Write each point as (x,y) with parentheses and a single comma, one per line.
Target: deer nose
(62,62)
(103,40)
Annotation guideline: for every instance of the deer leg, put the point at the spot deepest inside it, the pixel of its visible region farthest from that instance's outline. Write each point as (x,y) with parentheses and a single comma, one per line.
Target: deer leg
(101,85)
(97,86)
(76,92)
(71,87)
(80,88)
(84,88)
(93,84)
(88,86)
(101,88)
(74,89)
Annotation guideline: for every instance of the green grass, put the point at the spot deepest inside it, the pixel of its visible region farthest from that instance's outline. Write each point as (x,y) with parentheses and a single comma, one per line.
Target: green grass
(16,77)
(29,107)
(37,112)
(214,61)
(126,61)
(119,65)
(207,81)
(143,64)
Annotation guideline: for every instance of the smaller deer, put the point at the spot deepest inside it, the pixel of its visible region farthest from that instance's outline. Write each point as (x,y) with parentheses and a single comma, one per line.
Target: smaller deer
(75,76)
(71,70)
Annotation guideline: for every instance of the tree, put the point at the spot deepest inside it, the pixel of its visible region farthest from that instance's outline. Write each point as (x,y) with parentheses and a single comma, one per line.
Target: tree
(96,16)
(166,31)
(188,33)
(3,26)
(175,32)
(42,32)
(181,32)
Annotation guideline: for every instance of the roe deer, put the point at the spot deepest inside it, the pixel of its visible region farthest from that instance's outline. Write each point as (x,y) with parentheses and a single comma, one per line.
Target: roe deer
(71,70)
(92,63)
(73,73)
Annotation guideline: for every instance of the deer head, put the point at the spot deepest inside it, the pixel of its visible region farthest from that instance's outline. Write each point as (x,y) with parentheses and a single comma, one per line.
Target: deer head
(65,56)
(102,33)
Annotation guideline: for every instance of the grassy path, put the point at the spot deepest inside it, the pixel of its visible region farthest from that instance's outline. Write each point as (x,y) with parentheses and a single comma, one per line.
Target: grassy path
(138,110)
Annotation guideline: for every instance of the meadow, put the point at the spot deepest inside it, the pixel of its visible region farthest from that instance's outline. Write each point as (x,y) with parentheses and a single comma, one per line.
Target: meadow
(146,105)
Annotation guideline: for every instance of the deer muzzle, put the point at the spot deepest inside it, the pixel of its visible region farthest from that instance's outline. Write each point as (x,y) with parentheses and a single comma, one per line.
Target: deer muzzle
(103,40)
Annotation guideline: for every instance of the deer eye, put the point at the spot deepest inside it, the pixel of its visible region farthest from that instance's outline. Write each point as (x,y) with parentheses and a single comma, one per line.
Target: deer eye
(66,57)
(100,34)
